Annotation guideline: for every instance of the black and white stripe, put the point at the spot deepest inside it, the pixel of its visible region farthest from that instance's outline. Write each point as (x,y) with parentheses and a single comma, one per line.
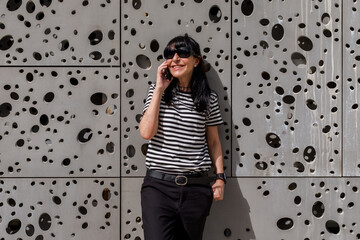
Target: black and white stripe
(179,145)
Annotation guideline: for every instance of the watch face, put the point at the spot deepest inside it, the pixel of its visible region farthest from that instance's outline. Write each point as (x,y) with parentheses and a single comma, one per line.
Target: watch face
(221,175)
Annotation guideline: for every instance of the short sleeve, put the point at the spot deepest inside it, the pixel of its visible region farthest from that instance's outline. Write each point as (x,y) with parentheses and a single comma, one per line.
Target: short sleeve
(213,117)
(149,97)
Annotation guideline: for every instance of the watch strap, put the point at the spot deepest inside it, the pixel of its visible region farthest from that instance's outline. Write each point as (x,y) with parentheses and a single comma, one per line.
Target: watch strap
(221,176)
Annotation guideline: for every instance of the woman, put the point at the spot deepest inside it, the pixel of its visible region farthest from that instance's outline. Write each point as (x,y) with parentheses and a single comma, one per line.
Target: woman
(180,119)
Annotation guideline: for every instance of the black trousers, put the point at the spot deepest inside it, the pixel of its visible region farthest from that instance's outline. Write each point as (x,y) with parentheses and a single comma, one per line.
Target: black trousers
(172,212)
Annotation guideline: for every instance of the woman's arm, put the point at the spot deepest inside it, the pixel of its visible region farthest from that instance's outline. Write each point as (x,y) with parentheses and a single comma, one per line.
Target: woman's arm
(215,151)
(150,121)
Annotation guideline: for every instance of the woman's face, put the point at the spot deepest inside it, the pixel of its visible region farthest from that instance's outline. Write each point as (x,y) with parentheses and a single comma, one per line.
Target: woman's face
(182,67)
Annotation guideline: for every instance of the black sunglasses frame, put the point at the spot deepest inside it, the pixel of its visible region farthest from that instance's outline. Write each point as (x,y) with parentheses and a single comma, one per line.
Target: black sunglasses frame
(182,52)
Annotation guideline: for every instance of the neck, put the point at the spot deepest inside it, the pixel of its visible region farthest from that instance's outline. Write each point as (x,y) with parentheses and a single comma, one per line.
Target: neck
(184,89)
(184,86)
(184,83)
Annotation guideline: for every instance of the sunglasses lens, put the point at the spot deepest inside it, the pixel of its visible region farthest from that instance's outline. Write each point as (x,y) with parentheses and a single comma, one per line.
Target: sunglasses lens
(184,52)
(169,53)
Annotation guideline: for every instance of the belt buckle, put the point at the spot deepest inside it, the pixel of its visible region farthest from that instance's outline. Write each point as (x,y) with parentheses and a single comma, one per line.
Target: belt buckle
(181,180)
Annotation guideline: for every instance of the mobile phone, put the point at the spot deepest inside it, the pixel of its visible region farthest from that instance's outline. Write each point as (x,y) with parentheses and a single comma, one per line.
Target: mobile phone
(167,74)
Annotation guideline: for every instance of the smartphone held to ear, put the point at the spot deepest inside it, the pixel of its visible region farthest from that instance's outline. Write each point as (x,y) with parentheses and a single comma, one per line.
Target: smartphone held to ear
(167,74)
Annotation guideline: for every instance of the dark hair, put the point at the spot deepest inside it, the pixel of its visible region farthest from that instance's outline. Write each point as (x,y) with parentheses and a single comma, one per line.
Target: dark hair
(200,90)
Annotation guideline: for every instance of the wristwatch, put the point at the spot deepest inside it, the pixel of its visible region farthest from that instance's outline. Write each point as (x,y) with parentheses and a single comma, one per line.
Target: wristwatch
(221,176)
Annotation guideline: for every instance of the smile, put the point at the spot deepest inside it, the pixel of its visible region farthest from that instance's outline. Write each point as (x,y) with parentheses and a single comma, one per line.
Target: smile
(177,67)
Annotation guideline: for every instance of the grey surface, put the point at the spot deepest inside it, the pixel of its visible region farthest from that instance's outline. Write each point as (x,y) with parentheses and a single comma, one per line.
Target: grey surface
(59,208)
(80,136)
(60,32)
(351,58)
(239,45)
(272,105)
(253,208)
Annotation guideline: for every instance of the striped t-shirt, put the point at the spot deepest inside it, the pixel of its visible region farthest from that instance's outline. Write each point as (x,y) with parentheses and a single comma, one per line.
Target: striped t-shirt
(179,146)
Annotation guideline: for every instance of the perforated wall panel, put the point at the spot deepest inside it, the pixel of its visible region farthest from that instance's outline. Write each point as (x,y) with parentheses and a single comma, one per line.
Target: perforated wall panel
(59,122)
(351,59)
(269,208)
(59,208)
(61,32)
(59,119)
(286,88)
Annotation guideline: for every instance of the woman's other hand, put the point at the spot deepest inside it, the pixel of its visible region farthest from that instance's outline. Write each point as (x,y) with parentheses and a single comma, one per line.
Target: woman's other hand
(218,189)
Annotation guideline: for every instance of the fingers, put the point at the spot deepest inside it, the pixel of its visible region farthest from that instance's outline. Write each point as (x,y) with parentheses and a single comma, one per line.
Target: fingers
(218,190)
(162,68)
(163,65)
(218,193)
(216,196)
(163,76)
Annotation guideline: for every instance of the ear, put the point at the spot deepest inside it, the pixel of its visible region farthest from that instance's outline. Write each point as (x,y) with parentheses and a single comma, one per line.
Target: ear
(197,60)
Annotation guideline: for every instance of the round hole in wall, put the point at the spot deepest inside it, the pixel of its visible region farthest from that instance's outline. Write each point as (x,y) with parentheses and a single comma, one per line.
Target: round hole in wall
(305,43)
(98,98)
(13,226)
(299,167)
(298,59)
(66,162)
(285,223)
(95,55)
(45,3)
(327,33)
(154,45)
(309,154)
(143,61)
(247,7)
(106,194)
(5,109)
(264,21)
(215,14)
(29,230)
(332,227)
(136,4)
(292,186)
(45,221)
(318,209)
(6,42)
(277,32)
(49,97)
(56,200)
(30,7)
(261,165)
(64,44)
(85,135)
(37,56)
(273,140)
(130,151)
(325,18)
(13,5)
(311,104)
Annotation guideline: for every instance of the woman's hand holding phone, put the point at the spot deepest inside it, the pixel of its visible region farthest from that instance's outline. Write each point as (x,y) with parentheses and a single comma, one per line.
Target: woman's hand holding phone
(164,77)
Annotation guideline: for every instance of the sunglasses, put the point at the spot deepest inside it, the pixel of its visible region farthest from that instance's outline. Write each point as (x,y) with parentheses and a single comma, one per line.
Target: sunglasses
(183,52)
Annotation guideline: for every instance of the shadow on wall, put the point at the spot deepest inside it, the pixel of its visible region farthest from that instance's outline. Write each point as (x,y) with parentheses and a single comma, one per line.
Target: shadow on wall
(229,218)
(223,97)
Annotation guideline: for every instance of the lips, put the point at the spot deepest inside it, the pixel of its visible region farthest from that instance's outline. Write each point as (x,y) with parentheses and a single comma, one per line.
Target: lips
(177,67)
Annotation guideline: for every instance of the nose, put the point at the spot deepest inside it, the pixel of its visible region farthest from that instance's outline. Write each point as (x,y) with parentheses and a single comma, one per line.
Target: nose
(175,57)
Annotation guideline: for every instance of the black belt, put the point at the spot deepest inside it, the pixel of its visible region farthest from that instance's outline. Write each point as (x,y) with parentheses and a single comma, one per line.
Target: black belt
(181,179)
